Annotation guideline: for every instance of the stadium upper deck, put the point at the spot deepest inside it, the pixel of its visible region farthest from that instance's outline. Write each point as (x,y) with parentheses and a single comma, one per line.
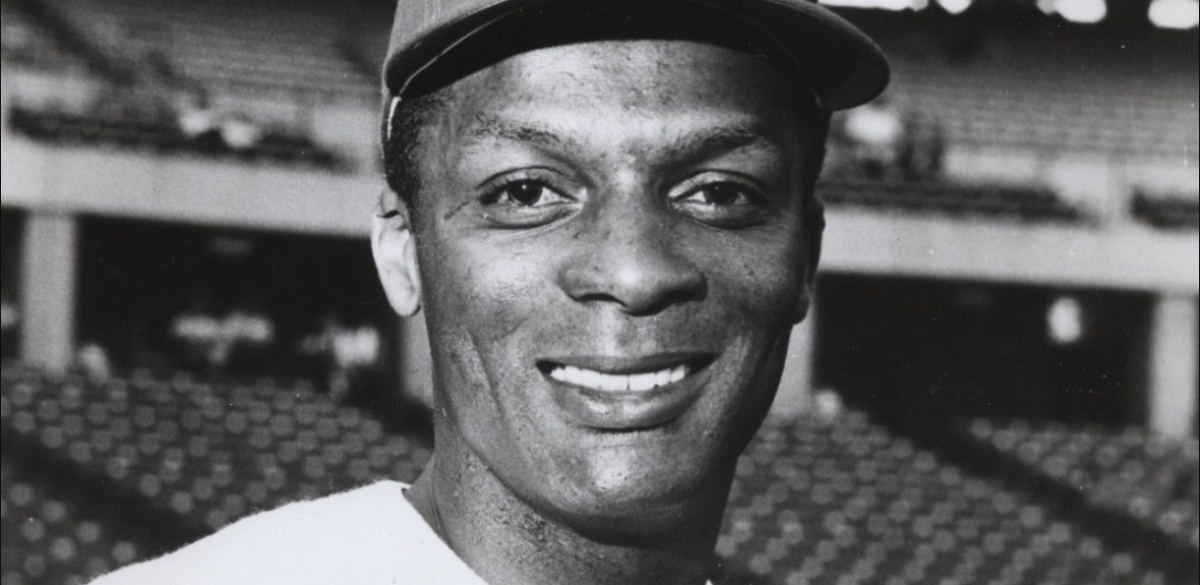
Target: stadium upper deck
(1031,85)
(26,41)
(297,47)
(1114,89)
(1120,93)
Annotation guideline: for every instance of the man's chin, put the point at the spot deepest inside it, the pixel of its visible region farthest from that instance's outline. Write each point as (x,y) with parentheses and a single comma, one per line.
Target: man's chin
(643,510)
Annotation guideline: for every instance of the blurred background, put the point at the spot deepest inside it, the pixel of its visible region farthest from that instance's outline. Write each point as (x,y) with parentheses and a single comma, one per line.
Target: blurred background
(998,385)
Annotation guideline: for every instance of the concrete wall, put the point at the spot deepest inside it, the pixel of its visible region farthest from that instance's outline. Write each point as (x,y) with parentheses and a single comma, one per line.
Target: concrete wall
(189,190)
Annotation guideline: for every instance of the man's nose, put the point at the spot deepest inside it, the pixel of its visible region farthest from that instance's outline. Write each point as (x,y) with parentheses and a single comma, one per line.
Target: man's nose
(631,259)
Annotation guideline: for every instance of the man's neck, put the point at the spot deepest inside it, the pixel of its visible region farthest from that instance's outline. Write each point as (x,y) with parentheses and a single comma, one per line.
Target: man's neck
(508,543)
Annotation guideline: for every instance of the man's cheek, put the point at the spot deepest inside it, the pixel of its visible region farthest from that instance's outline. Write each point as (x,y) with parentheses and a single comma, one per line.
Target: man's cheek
(755,307)
(757,278)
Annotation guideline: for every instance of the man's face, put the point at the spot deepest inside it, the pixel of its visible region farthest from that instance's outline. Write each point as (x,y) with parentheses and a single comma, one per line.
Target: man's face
(612,255)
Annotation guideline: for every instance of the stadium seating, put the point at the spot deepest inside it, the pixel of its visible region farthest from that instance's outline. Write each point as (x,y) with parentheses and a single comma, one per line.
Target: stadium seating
(1148,479)
(1025,204)
(292,47)
(159,133)
(1128,99)
(1106,92)
(820,501)
(1008,108)
(844,501)
(183,446)
(26,42)
(47,540)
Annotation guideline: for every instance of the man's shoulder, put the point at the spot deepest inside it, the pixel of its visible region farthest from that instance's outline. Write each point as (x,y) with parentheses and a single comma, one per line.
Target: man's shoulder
(359,534)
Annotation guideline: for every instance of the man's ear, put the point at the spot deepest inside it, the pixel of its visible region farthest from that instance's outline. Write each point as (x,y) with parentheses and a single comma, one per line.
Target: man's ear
(396,255)
(814,237)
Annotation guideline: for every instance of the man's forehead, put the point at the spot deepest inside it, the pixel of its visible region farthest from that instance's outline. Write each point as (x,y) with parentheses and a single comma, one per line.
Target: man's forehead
(647,77)
(687,97)
(664,83)
(643,72)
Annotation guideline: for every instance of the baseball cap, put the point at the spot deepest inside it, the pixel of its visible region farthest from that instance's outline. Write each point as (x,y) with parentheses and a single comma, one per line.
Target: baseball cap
(434,42)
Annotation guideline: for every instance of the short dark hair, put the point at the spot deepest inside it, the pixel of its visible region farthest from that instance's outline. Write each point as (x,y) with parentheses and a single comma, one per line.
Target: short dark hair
(402,140)
(402,128)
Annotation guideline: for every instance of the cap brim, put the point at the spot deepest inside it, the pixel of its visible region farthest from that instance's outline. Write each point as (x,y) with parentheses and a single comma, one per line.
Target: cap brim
(846,68)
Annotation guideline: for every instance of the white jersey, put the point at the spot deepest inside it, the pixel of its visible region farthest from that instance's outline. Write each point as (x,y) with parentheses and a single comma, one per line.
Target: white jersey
(369,536)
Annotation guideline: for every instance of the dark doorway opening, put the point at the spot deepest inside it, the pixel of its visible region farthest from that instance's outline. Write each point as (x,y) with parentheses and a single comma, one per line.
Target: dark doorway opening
(12,224)
(919,353)
(141,284)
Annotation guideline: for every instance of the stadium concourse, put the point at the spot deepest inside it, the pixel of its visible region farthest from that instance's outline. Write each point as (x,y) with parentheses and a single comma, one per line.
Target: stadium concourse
(998,385)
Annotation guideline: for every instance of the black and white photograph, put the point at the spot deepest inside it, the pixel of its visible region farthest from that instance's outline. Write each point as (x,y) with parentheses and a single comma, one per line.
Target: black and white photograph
(600,292)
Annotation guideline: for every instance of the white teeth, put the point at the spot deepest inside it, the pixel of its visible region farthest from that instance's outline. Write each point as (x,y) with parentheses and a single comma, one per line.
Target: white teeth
(589,378)
(661,379)
(643,382)
(678,374)
(611,383)
(614,383)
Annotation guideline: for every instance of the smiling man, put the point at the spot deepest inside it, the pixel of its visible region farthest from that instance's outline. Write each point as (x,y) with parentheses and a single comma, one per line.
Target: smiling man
(606,210)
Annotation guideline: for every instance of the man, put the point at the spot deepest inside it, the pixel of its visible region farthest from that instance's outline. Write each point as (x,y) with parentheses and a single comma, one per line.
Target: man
(347,356)
(196,335)
(606,210)
(248,339)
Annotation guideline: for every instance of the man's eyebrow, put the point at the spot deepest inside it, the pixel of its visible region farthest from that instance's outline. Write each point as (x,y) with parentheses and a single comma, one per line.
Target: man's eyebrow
(714,141)
(492,127)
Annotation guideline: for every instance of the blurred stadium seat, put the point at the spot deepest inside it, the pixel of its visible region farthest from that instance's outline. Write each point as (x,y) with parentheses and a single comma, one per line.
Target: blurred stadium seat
(1036,84)
(1016,203)
(1148,479)
(26,41)
(294,47)
(876,508)
(183,444)
(48,540)
(160,134)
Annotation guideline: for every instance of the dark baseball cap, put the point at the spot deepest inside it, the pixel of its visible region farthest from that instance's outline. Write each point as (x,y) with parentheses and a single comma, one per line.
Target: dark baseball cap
(434,42)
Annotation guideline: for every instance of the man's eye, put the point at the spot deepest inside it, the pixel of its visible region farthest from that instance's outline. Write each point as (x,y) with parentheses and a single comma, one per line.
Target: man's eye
(525,202)
(724,204)
(720,195)
(524,193)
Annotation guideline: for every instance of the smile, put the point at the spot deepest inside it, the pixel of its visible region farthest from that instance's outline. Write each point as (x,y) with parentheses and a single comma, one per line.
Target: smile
(619,383)
(627,394)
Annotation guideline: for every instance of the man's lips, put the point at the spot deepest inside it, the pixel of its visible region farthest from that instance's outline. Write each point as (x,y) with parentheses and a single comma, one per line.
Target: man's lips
(625,394)
(618,383)
(619,374)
